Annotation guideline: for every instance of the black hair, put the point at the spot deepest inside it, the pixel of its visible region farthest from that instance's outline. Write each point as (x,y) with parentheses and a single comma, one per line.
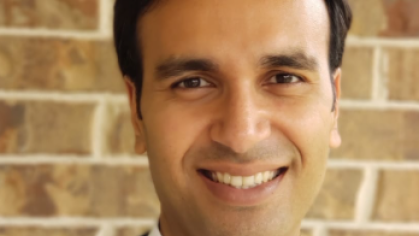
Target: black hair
(128,12)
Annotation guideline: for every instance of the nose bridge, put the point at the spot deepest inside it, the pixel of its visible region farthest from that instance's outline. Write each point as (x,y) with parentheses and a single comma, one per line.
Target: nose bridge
(243,123)
(241,111)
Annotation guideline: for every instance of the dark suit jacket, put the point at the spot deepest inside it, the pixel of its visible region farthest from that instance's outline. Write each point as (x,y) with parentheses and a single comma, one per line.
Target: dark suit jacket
(146,234)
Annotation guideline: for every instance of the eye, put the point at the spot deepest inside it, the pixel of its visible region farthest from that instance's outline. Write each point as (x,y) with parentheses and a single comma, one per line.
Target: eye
(285,79)
(194,82)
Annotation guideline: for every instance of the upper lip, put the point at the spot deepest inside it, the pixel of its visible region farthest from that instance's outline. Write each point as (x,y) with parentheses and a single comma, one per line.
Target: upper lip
(247,169)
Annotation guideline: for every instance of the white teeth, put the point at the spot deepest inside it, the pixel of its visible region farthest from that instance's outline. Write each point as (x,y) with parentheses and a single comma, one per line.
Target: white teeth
(258,178)
(236,181)
(244,182)
(226,178)
(248,181)
(266,176)
(219,177)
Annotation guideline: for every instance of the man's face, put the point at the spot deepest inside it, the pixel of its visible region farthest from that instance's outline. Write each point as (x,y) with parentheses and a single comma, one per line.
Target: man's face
(236,112)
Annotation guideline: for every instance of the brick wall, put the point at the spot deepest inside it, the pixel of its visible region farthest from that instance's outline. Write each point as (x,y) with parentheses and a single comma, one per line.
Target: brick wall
(66,162)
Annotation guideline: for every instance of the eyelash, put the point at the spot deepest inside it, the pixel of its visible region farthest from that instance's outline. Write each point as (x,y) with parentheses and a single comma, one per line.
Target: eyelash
(177,84)
(299,78)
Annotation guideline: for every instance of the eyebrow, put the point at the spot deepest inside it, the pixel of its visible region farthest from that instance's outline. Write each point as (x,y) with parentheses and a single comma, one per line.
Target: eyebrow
(174,67)
(297,60)
(177,66)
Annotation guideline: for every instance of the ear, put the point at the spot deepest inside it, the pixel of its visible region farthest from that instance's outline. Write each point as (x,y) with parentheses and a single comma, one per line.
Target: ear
(140,144)
(335,139)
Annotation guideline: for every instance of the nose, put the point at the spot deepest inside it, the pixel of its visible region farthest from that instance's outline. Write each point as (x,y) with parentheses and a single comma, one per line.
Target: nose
(242,121)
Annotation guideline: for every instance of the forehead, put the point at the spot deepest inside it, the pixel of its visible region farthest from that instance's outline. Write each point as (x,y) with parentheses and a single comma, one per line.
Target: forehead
(228,28)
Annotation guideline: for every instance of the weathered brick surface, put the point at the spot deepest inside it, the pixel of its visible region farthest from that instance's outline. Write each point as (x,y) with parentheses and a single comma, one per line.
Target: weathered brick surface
(369,17)
(38,231)
(385,18)
(55,64)
(45,127)
(121,135)
(52,14)
(402,18)
(75,190)
(403,76)
(378,135)
(357,67)
(306,232)
(368,233)
(338,195)
(397,197)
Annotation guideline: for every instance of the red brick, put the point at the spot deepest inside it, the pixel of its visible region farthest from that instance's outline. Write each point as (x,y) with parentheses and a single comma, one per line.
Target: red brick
(385,18)
(52,14)
(402,18)
(305,232)
(397,197)
(121,136)
(59,65)
(403,77)
(77,191)
(378,135)
(45,127)
(337,196)
(357,73)
(369,17)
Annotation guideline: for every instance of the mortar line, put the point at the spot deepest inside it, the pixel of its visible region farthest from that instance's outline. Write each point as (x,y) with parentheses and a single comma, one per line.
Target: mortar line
(75,222)
(73,160)
(320,230)
(106,230)
(35,159)
(379,226)
(383,42)
(62,97)
(98,127)
(148,222)
(105,16)
(381,165)
(366,196)
(59,34)
(379,105)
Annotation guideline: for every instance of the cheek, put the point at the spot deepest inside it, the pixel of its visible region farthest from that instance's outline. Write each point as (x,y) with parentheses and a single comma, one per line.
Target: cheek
(311,138)
(170,133)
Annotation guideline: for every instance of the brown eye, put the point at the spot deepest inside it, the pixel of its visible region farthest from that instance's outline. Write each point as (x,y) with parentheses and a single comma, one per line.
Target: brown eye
(195,82)
(284,79)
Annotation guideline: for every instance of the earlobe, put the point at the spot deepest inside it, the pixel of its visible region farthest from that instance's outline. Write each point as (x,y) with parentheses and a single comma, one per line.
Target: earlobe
(335,139)
(140,144)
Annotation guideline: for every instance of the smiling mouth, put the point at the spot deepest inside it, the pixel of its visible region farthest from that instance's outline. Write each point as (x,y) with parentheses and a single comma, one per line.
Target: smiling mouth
(243,182)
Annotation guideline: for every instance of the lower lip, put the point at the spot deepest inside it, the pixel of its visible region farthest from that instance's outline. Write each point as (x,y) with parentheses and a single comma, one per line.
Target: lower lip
(243,197)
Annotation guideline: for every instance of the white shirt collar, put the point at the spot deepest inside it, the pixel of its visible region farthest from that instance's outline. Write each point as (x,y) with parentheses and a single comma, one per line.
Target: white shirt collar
(155,231)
